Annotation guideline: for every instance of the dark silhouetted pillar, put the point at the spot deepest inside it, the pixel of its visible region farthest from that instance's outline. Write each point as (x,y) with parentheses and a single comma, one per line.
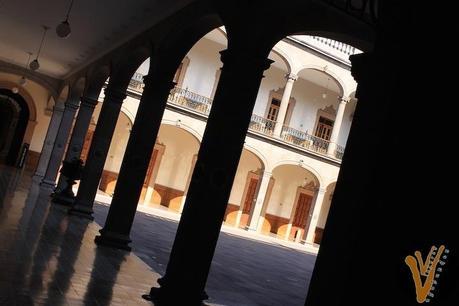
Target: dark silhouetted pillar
(136,160)
(383,210)
(222,144)
(100,145)
(48,144)
(71,106)
(76,144)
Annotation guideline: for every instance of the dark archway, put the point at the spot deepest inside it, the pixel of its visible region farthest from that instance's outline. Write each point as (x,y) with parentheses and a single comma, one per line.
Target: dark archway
(14,116)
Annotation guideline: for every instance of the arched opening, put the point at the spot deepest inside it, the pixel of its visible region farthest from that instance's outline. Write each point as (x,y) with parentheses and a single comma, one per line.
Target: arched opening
(14,117)
(170,169)
(324,212)
(289,202)
(115,154)
(245,190)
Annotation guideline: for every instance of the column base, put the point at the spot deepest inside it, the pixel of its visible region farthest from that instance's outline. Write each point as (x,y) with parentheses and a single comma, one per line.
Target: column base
(63,199)
(48,184)
(113,240)
(159,297)
(37,178)
(82,211)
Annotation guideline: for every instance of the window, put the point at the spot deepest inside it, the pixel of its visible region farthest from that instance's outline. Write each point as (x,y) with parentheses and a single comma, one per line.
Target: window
(273,109)
(324,128)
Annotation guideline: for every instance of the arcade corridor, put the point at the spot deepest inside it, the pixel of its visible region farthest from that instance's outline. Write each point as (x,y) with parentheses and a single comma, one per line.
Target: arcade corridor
(47,260)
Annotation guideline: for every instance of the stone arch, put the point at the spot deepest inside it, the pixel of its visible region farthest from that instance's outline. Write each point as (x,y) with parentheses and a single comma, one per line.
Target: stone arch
(96,79)
(15,119)
(244,191)
(258,154)
(289,202)
(64,94)
(172,164)
(304,165)
(330,73)
(25,95)
(196,134)
(284,57)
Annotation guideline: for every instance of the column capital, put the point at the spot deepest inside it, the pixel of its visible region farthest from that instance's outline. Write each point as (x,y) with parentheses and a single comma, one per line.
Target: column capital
(156,80)
(71,106)
(236,56)
(115,95)
(344,100)
(291,77)
(362,66)
(89,102)
(58,108)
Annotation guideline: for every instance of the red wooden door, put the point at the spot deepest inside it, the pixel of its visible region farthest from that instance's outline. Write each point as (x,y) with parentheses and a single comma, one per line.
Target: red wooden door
(250,196)
(302,210)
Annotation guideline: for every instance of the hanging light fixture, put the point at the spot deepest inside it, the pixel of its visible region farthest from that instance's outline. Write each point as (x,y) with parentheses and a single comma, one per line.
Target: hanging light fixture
(63,30)
(34,65)
(23,80)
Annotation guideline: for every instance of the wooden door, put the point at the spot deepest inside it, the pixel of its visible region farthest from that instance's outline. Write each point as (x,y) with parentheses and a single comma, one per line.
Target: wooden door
(146,181)
(302,210)
(324,128)
(248,201)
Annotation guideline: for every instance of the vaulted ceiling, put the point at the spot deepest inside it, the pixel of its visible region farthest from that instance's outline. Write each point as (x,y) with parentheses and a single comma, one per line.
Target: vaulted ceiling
(98,26)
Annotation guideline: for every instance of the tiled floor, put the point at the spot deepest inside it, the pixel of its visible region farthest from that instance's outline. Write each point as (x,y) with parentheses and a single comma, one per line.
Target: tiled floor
(47,258)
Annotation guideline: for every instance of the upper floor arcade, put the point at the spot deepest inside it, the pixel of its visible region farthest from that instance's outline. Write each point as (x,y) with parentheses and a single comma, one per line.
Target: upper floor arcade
(306,88)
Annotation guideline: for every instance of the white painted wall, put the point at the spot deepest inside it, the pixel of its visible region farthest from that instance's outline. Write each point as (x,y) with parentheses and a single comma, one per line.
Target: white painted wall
(180,147)
(248,162)
(204,63)
(273,80)
(287,180)
(118,145)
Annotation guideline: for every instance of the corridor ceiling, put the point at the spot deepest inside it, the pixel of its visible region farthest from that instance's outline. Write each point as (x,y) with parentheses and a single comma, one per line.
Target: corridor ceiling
(97,28)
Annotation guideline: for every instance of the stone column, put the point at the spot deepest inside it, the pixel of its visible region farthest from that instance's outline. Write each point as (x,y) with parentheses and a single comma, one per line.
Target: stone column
(317,208)
(256,214)
(62,137)
(336,127)
(98,151)
(135,162)
(48,144)
(291,78)
(212,179)
(75,146)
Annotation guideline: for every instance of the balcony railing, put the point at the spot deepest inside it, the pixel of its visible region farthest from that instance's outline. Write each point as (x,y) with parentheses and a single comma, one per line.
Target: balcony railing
(305,140)
(136,82)
(339,152)
(262,125)
(201,104)
(190,100)
(337,45)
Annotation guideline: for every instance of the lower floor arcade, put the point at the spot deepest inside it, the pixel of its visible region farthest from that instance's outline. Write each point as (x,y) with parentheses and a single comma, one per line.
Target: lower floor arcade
(275,192)
(49,258)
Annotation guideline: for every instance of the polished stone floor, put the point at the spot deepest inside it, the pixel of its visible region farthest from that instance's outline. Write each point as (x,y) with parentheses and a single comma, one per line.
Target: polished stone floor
(47,258)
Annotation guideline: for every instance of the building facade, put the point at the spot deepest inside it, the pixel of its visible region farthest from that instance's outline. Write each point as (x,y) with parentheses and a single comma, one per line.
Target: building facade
(291,157)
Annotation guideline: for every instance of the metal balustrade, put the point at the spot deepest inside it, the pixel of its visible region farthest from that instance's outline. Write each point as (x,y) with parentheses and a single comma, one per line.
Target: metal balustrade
(262,125)
(339,151)
(201,104)
(337,45)
(305,140)
(190,100)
